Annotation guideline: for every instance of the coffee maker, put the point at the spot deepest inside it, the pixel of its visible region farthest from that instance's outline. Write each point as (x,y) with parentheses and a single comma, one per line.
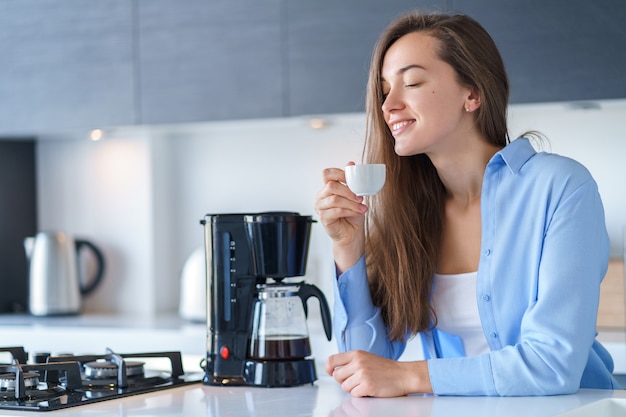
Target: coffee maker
(256,316)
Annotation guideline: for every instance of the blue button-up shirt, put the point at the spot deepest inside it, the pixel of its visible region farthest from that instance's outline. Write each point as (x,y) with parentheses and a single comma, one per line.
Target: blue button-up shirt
(544,252)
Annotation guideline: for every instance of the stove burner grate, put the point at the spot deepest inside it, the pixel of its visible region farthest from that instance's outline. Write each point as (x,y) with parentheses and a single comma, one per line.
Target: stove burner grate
(67,381)
(7,381)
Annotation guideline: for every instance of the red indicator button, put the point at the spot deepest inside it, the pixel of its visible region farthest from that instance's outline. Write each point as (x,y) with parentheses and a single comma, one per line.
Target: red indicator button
(224,352)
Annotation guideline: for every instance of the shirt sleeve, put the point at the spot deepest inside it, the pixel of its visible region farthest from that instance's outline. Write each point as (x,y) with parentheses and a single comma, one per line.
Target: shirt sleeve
(357,323)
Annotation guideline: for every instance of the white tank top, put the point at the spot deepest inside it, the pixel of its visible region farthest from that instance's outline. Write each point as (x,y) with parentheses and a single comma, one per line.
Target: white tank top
(454,301)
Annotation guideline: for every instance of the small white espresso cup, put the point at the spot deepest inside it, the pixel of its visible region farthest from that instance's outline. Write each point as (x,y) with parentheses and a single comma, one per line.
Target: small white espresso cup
(366,179)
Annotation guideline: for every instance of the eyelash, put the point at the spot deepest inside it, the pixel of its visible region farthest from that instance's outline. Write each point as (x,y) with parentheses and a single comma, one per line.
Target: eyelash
(384,96)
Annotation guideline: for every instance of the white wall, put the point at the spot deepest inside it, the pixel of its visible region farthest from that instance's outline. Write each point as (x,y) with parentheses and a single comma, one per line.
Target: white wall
(141,192)
(258,166)
(101,191)
(595,137)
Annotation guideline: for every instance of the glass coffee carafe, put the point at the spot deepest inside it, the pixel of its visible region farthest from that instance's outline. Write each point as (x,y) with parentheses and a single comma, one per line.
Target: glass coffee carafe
(279,328)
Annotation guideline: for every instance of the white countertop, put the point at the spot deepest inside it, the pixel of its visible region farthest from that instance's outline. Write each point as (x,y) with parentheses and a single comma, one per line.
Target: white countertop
(322,399)
(125,334)
(92,334)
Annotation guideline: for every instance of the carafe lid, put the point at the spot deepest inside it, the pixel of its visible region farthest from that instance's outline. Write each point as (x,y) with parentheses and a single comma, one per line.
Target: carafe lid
(275,217)
(276,291)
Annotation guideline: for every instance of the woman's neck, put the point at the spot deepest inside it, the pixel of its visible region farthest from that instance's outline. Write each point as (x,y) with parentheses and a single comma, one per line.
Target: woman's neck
(462,170)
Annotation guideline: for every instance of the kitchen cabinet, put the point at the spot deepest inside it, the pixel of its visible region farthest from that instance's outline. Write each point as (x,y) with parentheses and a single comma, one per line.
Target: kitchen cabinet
(212,61)
(209,60)
(222,60)
(65,64)
(74,64)
(218,60)
(564,50)
(329,45)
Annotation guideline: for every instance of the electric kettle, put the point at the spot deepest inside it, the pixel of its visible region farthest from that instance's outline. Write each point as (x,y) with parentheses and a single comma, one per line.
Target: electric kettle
(193,293)
(55,285)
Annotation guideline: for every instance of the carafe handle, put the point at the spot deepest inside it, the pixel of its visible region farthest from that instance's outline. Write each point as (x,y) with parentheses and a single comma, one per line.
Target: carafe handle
(99,268)
(305,292)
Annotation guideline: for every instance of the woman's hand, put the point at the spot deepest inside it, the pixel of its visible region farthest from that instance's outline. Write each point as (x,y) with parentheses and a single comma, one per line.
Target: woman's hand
(364,374)
(343,215)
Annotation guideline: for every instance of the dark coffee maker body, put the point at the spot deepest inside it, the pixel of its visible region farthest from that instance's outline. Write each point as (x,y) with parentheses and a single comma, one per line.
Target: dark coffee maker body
(250,307)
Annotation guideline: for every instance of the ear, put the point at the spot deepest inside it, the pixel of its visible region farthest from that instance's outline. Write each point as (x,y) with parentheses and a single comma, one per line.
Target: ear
(472,102)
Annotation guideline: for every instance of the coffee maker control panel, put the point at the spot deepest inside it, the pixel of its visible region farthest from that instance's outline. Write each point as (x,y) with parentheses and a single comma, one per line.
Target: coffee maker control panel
(231,281)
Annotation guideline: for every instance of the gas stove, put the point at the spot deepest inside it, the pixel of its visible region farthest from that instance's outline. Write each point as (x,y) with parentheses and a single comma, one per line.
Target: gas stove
(47,383)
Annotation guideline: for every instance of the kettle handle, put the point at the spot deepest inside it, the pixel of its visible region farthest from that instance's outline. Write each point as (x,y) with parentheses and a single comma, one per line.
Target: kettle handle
(305,292)
(100,265)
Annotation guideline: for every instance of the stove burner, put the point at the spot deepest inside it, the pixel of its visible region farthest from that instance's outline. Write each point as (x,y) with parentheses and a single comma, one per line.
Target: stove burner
(7,381)
(35,396)
(108,369)
(68,381)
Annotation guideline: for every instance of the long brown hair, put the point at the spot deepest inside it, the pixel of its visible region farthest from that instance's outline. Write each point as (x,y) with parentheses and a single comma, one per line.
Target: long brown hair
(405,220)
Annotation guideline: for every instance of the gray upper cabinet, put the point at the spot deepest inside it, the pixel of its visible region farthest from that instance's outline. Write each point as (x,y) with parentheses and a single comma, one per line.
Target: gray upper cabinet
(212,60)
(329,46)
(209,60)
(65,64)
(558,50)
(85,64)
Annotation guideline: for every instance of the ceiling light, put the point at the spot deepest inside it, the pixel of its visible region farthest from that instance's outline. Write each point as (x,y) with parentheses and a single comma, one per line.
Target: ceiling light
(96,134)
(317,123)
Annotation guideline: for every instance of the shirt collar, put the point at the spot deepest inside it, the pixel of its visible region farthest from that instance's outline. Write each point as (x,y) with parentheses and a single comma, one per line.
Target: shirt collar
(516,154)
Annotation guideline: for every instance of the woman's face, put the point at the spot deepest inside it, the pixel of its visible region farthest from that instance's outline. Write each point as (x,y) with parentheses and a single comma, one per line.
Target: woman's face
(424,104)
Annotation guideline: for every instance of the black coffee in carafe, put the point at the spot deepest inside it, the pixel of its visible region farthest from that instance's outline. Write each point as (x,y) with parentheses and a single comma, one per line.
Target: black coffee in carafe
(279,329)
(289,347)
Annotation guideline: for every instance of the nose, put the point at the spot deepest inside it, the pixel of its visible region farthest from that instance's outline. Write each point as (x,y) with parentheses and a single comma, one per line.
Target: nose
(391,102)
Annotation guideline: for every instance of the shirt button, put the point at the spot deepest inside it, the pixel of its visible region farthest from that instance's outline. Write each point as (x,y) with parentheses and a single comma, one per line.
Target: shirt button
(487,252)
(493,335)
(486,297)
(342,287)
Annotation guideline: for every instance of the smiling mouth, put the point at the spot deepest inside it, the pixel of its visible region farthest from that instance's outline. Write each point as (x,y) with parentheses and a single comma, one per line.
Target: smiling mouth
(398,126)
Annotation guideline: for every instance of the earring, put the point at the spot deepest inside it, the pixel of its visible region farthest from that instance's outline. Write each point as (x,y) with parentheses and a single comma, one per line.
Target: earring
(467,108)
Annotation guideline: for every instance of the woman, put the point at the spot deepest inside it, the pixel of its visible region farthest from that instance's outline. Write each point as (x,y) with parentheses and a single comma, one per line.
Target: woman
(491,252)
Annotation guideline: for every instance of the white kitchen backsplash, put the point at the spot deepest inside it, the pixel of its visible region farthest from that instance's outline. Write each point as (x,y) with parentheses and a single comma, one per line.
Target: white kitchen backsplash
(593,134)
(102,192)
(141,191)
